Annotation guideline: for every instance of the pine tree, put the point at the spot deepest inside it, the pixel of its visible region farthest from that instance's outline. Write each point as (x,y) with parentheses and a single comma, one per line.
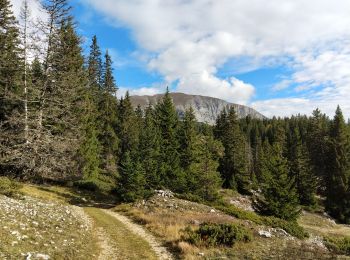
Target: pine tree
(132,180)
(317,144)
(204,180)
(171,173)
(187,136)
(95,65)
(234,164)
(300,169)
(128,133)
(150,149)
(279,197)
(338,178)
(11,90)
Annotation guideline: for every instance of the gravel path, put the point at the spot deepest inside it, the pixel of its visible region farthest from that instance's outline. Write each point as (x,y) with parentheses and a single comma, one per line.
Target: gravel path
(160,250)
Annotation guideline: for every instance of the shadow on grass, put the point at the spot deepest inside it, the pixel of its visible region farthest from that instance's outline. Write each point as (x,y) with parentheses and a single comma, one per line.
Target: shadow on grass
(84,198)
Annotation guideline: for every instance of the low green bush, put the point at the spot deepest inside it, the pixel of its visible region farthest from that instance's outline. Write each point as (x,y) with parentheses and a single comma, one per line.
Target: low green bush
(338,245)
(9,187)
(291,227)
(212,235)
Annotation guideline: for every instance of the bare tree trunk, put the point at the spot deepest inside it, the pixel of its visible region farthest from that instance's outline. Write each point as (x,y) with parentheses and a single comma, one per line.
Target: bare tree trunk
(25,14)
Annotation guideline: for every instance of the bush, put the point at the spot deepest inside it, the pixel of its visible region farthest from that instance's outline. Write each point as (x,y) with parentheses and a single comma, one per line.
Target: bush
(212,235)
(10,187)
(291,227)
(338,245)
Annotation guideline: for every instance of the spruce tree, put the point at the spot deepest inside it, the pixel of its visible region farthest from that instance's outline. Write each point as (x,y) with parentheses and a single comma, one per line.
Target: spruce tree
(187,136)
(171,173)
(318,145)
(204,180)
(338,175)
(95,65)
(279,197)
(300,168)
(149,148)
(234,164)
(11,92)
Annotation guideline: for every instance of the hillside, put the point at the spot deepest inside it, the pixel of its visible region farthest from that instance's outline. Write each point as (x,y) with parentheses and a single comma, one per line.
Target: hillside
(51,222)
(206,109)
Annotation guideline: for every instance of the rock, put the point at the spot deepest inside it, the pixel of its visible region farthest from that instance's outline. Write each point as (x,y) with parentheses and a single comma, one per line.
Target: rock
(195,222)
(212,211)
(201,254)
(42,256)
(264,233)
(165,193)
(206,109)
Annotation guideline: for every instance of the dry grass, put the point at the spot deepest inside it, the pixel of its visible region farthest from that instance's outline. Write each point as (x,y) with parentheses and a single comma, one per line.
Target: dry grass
(167,217)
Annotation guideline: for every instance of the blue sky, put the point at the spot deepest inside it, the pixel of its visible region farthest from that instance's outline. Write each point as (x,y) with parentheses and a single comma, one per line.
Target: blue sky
(281,57)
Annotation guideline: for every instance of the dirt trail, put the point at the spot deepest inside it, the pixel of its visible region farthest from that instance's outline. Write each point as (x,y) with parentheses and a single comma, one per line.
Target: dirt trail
(119,238)
(160,250)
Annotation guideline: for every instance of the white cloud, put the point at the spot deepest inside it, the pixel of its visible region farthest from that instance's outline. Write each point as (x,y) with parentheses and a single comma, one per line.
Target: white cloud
(191,39)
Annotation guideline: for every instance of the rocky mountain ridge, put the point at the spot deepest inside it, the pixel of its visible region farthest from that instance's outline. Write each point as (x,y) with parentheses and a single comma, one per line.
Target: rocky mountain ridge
(206,109)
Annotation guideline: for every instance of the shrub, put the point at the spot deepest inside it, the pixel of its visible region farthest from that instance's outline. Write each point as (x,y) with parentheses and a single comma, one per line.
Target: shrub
(338,245)
(10,187)
(290,227)
(212,235)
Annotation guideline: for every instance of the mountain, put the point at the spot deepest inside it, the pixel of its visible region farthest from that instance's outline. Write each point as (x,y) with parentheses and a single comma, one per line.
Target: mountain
(206,109)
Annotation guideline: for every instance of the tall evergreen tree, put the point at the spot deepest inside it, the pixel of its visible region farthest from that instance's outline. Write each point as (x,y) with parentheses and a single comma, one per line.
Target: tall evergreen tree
(338,178)
(279,196)
(150,149)
(204,180)
(132,179)
(11,106)
(318,144)
(300,168)
(187,137)
(234,164)
(95,65)
(171,173)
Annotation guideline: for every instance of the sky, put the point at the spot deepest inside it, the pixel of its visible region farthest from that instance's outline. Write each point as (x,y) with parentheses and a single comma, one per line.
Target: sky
(281,57)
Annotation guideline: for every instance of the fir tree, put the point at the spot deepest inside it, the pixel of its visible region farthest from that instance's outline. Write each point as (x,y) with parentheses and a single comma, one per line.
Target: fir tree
(234,164)
(187,138)
(300,169)
(12,125)
(95,65)
(171,174)
(338,178)
(150,149)
(279,197)
(204,180)
(132,180)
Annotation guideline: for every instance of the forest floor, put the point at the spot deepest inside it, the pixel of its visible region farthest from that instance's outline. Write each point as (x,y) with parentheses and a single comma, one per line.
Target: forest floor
(53,222)
(45,225)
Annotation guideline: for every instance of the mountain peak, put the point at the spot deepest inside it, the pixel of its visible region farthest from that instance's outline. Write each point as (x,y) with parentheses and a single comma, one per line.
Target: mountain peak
(206,108)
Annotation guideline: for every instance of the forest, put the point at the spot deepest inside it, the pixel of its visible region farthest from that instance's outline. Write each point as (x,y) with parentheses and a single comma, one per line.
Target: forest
(61,121)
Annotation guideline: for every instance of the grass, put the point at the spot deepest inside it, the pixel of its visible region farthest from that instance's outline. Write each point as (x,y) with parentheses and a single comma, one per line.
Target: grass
(34,226)
(128,245)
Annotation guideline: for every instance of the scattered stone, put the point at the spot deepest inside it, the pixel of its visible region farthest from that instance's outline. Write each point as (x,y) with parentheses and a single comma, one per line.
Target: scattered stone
(195,222)
(212,211)
(165,193)
(264,233)
(42,256)
(201,254)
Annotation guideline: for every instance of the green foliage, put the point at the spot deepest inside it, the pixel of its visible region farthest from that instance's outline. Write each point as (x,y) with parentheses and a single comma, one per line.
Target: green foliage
(203,178)
(338,178)
(171,174)
(279,197)
(9,187)
(291,227)
(338,245)
(213,235)
(132,180)
(234,164)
